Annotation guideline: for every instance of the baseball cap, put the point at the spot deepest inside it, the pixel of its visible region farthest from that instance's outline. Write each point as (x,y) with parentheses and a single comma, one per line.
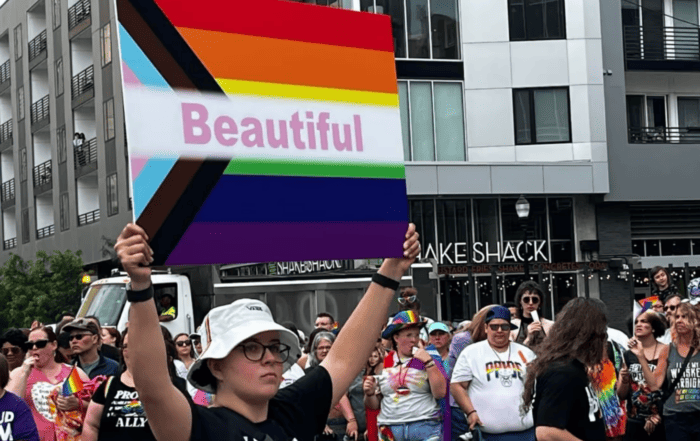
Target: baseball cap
(437,326)
(226,327)
(82,324)
(499,312)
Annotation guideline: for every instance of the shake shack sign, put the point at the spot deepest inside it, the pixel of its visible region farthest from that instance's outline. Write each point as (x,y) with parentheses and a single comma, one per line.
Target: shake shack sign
(486,252)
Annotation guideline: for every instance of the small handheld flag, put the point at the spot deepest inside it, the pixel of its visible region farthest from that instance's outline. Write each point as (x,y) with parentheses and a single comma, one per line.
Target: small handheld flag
(72,384)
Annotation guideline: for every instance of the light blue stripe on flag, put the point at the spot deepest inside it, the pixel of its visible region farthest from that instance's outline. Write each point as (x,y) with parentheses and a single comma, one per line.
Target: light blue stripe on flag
(147,182)
(138,62)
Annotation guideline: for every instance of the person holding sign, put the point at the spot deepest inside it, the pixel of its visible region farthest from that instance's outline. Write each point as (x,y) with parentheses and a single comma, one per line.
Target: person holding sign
(42,370)
(16,422)
(245,354)
(531,329)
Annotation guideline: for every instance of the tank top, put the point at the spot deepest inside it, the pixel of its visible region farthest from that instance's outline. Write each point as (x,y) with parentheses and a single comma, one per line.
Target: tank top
(36,396)
(686,397)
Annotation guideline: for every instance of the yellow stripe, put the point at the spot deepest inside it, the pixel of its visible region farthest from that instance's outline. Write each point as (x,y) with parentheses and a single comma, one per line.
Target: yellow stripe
(274,90)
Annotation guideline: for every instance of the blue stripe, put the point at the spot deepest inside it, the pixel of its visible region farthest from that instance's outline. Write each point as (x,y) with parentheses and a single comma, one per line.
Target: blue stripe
(147,182)
(137,61)
(304,199)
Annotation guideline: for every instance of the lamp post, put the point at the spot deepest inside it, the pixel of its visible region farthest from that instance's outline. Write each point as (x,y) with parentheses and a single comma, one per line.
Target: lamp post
(522,207)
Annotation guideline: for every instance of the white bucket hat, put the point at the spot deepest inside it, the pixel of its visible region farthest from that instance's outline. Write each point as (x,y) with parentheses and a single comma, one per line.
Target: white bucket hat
(226,327)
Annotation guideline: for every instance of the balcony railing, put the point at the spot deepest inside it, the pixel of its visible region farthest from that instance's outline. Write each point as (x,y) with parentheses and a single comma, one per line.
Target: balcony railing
(664,135)
(42,174)
(78,13)
(8,190)
(45,232)
(5,131)
(4,71)
(40,109)
(83,82)
(89,217)
(662,43)
(9,244)
(37,45)
(85,153)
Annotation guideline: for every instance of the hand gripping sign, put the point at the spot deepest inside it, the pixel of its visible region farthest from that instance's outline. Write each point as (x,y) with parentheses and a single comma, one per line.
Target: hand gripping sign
(262,131)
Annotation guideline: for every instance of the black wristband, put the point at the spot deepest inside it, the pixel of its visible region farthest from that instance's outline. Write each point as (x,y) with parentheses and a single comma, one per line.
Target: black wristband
(385,281)
(473,411)
(140,296)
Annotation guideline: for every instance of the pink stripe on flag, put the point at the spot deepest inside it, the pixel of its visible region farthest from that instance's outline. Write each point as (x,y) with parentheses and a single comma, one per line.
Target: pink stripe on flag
(137,164)
(129,75)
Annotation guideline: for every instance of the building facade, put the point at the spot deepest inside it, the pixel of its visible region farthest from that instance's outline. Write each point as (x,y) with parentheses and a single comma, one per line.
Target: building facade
(589,109)
(62,148)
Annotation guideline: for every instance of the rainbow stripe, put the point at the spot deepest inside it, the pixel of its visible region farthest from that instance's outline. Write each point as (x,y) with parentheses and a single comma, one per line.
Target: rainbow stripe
(258,205)
(72,384)
(614,414)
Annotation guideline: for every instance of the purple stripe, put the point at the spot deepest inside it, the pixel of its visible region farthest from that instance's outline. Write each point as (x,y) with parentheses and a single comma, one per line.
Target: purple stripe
(207,243)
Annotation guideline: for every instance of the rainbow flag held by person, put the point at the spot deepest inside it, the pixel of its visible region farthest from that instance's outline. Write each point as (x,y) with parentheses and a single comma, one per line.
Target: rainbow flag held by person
(644,305)
(72,384)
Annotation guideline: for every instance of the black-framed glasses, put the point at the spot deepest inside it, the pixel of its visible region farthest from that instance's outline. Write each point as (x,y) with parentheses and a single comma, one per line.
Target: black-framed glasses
(403,300)
(533,300)
(14,350)
(183,343)
(671,308)
(255,351)
(503,327)
(39,344)
(77,337)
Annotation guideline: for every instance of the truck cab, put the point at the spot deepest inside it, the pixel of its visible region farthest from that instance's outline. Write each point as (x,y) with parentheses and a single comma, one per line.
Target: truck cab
(106,300)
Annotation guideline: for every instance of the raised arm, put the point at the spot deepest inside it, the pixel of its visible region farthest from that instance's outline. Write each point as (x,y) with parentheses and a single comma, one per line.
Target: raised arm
(161,400)
(359,335)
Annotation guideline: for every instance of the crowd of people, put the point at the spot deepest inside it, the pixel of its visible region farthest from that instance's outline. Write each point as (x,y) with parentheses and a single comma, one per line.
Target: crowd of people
(508,374)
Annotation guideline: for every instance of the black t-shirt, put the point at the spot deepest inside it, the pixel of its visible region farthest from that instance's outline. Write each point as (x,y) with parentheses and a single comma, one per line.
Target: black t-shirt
(641,401)
(123,416)
(564,399)
(298,412)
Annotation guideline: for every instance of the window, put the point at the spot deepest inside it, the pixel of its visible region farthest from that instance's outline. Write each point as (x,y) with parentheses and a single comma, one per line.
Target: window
(61,144)
(421,28)
(56,13)
(109,119)
(65,217)
(59,77)
(432,120)
(112,195)
(18,42)
(106,45)
(541,116)
(689,113)
(20,103)
(25,225)
(23,165)
(537,20)
(647,119)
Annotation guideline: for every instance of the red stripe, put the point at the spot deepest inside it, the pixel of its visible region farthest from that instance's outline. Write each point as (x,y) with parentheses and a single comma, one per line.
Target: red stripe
(285,20)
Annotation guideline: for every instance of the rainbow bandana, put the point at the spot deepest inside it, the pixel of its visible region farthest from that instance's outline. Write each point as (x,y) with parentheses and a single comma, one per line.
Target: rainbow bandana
(72,384)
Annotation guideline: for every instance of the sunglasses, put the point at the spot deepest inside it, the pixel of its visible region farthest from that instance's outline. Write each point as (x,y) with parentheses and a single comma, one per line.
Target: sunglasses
(183,343)
(39,344)
(403,300)
(78,337)
(503,327)
(533,300)
(670,308)
(14,350)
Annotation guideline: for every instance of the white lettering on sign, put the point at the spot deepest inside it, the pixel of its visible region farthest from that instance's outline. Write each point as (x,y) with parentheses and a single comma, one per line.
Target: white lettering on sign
(486,252)
(314,266)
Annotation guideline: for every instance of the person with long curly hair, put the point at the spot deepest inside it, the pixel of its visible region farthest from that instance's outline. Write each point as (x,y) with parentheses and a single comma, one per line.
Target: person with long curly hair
(679,367)
(558,383)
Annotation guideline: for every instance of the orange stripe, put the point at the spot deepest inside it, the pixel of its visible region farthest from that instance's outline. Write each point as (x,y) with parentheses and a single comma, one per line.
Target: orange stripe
(269,60)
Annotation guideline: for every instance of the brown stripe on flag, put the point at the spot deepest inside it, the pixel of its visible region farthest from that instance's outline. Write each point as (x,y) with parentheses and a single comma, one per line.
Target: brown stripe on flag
(167,195)
(151,45)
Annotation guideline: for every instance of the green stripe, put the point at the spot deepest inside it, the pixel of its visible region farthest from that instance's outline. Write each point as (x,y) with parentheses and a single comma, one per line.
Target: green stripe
(315,168)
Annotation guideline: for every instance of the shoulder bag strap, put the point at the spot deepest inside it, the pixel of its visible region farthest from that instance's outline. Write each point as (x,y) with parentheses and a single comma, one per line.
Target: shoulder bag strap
(670,390)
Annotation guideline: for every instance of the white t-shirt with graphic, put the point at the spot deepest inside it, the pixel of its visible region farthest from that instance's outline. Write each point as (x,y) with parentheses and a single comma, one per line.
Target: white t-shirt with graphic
(399,406)
(496,384)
